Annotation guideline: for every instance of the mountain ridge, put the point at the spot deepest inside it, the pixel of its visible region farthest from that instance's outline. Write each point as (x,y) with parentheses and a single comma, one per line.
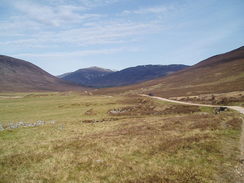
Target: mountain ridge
(217,74)
(85,75)
(131,75)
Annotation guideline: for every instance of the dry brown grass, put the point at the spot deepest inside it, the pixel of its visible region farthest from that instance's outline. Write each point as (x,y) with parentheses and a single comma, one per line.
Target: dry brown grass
(180,146)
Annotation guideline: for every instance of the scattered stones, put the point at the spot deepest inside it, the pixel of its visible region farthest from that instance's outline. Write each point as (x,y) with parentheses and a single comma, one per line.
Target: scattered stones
(1,127)
(94,121)
(99,121)
(117,111)
(52,122)
(122,110)
(19,124)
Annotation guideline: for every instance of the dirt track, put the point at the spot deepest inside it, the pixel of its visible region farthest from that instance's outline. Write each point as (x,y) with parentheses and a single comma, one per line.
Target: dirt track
(236,108)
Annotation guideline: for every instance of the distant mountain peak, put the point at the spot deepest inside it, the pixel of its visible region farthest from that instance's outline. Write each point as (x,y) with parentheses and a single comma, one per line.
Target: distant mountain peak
(96,68)
(86,75)
(99,77)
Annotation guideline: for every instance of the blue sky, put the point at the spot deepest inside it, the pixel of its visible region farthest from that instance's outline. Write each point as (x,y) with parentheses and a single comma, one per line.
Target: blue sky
(65,35)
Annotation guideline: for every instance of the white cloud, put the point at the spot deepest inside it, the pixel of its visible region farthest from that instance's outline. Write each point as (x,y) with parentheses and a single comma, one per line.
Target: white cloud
(104,33)
(78,53)
(53,27)
(94,3)
(107,32)
(53,15)
(151,10)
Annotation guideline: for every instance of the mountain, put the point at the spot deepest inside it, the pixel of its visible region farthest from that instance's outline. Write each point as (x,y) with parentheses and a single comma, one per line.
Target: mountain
(18,75)
(86,77)
(100,78)
(63,75)
(217,74)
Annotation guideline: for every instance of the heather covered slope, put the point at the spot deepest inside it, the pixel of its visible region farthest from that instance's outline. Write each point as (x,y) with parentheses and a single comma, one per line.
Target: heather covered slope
(19,75)
(218,74)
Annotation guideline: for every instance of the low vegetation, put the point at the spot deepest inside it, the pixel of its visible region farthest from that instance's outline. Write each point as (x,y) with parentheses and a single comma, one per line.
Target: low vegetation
(116,139)
(230,98)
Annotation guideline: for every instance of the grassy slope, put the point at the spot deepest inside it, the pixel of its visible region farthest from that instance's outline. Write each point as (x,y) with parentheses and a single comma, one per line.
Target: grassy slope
(218,74)
(21,76)
(150,142)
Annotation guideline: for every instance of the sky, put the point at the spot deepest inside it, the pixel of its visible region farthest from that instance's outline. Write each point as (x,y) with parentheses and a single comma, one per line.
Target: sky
(65,35)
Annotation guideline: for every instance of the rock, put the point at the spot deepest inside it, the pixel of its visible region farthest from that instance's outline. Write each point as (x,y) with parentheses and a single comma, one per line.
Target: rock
(90,112)
(52,122)
(217,110)
(1,127)
(99,161)
(119,111)
(242,160)
(114,111)
(39,123)
(150,94)
(12,125)
(19,124)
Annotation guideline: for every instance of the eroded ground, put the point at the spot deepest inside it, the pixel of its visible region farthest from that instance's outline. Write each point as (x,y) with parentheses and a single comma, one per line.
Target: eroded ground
(116,139)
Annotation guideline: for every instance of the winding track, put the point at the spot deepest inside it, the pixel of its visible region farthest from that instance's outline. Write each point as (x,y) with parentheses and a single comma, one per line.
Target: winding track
(236,108)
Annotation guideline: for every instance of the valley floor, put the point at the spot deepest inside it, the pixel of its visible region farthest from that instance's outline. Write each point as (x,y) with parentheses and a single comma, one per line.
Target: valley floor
(69,137)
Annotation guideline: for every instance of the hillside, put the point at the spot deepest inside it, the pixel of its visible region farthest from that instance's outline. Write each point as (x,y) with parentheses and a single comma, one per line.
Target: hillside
(217,74)
(86,77)
(18,75)
(100,78)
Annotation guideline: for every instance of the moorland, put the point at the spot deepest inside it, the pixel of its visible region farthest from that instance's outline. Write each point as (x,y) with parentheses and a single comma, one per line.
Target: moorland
(115,139)
(54,131)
